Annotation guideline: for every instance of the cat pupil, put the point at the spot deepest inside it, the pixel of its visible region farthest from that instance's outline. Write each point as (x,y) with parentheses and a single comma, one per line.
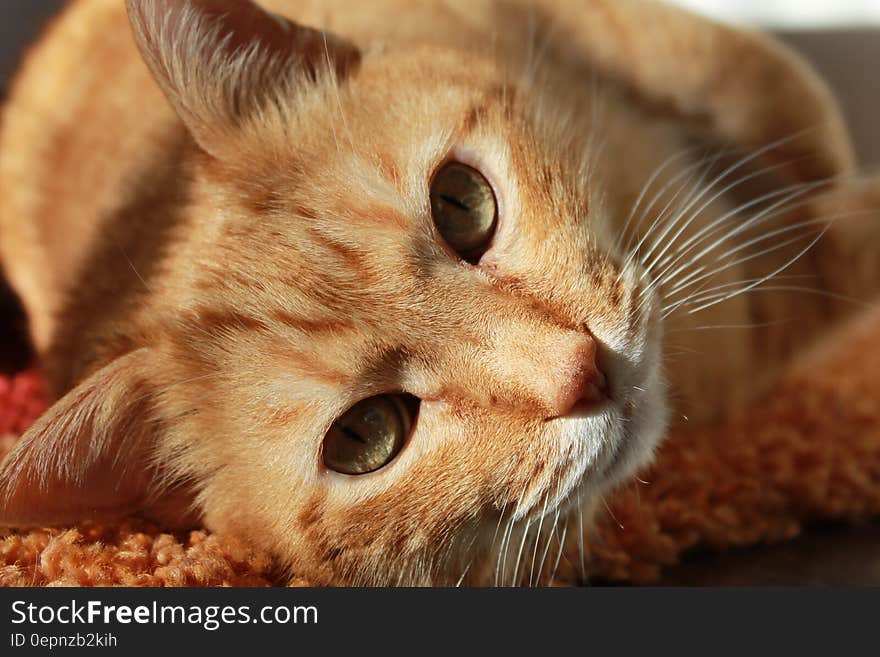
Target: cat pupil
(464,210)
(455,202)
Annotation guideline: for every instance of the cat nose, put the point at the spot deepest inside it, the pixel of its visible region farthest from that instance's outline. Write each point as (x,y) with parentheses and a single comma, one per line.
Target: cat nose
(581,384)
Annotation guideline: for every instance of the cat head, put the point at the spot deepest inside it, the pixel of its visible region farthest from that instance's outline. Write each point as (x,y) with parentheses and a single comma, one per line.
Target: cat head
(395,317)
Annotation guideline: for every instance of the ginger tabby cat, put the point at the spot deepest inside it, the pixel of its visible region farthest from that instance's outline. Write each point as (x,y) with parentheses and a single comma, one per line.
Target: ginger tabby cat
(392,289)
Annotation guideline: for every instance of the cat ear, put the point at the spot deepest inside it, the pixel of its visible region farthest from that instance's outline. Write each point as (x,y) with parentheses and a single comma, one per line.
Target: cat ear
(90,455)
(219,61)
(742,86)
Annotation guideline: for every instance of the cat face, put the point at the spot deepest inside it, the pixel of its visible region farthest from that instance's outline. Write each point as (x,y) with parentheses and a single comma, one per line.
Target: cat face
(375,392)
(530,375)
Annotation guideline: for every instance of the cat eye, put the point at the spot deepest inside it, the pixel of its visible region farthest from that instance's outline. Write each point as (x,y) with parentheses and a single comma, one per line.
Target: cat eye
(370,434)
(464,210)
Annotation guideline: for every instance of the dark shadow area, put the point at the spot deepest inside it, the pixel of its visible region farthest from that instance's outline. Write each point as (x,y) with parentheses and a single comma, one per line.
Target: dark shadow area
(832,554)
(20,23)
(15,351)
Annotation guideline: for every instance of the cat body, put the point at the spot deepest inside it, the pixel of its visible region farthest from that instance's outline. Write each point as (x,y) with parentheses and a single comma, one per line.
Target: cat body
(221,232)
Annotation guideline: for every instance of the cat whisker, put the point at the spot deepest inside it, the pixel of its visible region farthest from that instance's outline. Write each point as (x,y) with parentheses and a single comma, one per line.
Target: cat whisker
(611,513)
(675,157)
(525,534)
(726,286)
(785,229)
(688,174)
(494,539)
(505,541)
(781,206)
(786,288)
(665,275)
(464,574)
(759,254)
(335,84)
(749,157)
(776,271)
(546,550)
(704,276)
(559,554)
(776,210)
(580,538)
(130,263)
(537,538)
(694,199)
(789,193)
(698,212)
(714,327)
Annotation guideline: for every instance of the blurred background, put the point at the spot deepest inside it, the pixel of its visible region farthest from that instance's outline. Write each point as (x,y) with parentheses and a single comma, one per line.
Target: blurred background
(842,39)
(790,13)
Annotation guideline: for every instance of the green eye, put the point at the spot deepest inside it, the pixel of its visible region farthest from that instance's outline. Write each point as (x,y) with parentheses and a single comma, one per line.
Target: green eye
(369,435)
(464,210)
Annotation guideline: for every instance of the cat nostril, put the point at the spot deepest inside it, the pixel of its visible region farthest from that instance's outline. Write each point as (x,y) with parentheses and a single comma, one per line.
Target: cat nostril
(583,384)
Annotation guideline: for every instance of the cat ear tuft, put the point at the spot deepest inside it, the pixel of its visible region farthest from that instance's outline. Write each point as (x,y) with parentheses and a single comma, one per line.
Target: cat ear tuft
(90,455)
(219,61)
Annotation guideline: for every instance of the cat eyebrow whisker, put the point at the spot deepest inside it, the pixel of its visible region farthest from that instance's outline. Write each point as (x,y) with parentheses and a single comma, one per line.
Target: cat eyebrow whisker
(335,84)
(130,263)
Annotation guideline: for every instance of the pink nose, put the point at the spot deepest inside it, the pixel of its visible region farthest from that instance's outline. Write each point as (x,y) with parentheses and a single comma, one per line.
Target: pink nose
(583,383)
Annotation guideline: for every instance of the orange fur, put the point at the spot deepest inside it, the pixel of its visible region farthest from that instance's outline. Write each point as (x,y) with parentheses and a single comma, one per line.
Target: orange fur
(240,238)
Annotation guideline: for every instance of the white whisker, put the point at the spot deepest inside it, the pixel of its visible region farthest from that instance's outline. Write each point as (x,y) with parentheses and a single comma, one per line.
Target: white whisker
(776,271)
